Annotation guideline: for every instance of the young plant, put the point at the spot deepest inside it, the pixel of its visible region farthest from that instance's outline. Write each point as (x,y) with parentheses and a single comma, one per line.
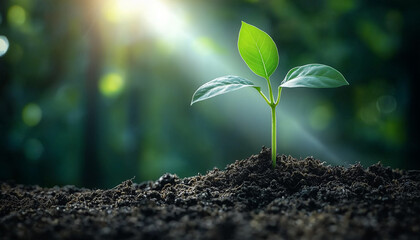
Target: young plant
(260,53)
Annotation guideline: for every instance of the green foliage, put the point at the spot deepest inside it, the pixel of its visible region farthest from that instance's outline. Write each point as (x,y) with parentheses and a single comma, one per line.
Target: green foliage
(260,53)
(258,50)
(314,76)
(219,86)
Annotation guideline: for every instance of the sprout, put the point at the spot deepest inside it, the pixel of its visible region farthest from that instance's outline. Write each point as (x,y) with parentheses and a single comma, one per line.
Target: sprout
(260,53)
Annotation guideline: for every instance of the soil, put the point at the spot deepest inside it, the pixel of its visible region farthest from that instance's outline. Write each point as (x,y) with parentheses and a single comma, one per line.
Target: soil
(300,199)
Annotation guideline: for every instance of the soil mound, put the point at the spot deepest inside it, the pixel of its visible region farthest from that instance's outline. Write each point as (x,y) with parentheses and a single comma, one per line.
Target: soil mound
(300,199)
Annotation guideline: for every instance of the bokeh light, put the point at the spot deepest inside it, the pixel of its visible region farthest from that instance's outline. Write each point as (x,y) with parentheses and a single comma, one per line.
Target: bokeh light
(16,15)
(386,104)
(369,114)
(4,45)
(111,84)
(31,114)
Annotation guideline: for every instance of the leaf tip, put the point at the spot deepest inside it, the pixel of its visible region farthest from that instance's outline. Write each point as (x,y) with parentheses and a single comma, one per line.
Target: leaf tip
(245,24)
(193,100)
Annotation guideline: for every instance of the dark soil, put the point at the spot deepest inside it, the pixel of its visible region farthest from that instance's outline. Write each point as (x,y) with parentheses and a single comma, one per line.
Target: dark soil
(300,199)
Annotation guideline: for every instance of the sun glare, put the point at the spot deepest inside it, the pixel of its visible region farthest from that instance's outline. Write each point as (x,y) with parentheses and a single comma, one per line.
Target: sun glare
(157,16)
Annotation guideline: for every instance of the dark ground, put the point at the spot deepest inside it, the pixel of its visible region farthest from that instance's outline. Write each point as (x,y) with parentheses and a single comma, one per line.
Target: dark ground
(300,199)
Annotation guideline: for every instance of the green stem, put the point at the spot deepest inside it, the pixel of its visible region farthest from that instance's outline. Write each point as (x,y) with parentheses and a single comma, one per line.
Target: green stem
(273,135)
(262,94)
(273,123)
(270,90)
(278,95)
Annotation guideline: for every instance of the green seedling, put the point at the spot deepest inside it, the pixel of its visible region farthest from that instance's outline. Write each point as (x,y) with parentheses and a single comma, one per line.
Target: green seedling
(260,53)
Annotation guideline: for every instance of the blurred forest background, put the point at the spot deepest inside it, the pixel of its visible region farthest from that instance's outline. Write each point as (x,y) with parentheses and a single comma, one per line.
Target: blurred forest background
(96,92)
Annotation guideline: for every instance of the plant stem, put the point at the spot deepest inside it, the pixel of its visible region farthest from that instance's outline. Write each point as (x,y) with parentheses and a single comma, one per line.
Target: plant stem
(274,128)
(273,135)
(273,105)
(262,94)
(270,91)
(278,95)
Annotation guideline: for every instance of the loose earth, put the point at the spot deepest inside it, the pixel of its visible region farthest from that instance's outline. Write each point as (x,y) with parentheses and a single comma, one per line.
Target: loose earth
(300,199)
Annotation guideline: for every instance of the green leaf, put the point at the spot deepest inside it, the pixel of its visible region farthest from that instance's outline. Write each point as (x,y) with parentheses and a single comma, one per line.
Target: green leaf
(258,50)
(219,86)
(314,76)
